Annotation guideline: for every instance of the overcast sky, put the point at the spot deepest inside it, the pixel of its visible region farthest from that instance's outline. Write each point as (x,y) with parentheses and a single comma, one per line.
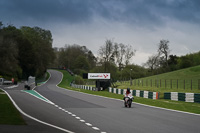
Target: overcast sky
(140,23)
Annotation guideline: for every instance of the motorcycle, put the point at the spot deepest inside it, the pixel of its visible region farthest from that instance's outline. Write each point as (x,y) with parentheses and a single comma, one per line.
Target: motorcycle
(128,101)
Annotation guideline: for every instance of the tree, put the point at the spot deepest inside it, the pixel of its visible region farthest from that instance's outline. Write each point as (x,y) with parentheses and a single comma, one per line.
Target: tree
(129,53)
(153,62)
(26,58)
(9,65)
(25,51)
(119,54)
(106,53)
(91,59)
(120,50)
(41,43)
(163,49)
(184,62)
(82,63)
(172,62)
(1,24)
(75,57)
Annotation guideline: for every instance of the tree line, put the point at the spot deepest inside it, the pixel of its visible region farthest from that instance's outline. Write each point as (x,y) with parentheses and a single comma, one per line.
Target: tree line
(115,58)
(25,51)
(163,61)
(112,57)
(28,51)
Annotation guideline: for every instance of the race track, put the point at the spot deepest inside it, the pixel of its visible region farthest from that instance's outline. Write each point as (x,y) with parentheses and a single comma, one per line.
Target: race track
(84,113)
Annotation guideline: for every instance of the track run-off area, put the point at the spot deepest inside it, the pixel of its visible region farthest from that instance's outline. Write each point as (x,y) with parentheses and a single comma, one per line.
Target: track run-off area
(55,109)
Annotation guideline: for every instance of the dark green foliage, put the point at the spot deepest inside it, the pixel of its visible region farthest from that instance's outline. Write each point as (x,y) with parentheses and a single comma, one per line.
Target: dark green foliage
(9,65)
(172,62)
(79,80)
(41,41)
(81,62)
(76,58)
(25,51)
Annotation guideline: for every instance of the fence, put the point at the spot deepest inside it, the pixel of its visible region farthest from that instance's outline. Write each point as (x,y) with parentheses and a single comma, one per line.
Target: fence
(187,97)
(165,83)
(138,93)
(85,87)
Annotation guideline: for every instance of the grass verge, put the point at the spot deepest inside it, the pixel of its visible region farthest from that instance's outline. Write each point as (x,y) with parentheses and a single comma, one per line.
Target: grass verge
(184,80)
(9,115)
(43,79)
(175,105)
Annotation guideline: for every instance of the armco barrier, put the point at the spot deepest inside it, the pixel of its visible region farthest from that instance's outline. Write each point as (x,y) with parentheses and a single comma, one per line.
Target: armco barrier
(138,93)
(84,87)
(186,97)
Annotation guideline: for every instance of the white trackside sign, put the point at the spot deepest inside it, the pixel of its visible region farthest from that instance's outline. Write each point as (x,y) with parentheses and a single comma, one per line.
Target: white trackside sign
(98,75)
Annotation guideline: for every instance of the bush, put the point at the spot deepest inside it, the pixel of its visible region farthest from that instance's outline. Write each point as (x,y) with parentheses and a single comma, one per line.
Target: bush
(79,80)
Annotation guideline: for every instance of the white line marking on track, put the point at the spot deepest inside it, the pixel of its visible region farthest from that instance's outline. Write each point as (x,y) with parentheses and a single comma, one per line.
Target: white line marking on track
(33,118)
(82,120)
(44,97)
(78,118)
(38,97)
(134,102)
(95,128)
(69,113)
(88,124)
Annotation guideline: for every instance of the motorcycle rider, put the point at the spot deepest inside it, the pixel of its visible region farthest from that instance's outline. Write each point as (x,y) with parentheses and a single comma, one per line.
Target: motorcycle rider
(128,94)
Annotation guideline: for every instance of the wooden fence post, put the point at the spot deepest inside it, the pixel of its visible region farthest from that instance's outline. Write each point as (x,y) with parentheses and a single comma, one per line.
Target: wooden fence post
(160,83)
(199,84)
(146,82)
(184,84)
(171,83)
(177,83)
(142,82)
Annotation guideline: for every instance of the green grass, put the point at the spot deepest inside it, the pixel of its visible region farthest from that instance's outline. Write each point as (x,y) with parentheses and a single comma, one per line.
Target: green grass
(42,79)
(9,115)
(175,105)
(67,79)
(176,81)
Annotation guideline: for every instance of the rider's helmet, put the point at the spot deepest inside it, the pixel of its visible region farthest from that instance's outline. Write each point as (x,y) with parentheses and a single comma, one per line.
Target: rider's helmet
(128,90)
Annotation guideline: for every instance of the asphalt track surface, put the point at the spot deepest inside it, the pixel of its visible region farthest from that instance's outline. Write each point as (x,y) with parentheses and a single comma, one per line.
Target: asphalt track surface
(84,113)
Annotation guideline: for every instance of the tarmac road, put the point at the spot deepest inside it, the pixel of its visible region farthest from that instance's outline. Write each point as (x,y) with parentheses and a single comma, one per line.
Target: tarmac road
(83,113)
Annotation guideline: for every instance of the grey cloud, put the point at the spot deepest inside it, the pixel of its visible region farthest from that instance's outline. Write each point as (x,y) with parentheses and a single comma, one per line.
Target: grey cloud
(71,11)
(134,12)
(149,12)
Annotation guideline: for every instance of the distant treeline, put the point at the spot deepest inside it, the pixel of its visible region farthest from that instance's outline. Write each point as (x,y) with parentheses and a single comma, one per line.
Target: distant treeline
(176,62)
(81,60)
(74,57)
(189,60)
(25,51)
(28,51)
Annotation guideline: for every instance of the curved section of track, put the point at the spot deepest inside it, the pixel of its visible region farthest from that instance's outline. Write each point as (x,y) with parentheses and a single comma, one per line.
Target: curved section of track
(79,112)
